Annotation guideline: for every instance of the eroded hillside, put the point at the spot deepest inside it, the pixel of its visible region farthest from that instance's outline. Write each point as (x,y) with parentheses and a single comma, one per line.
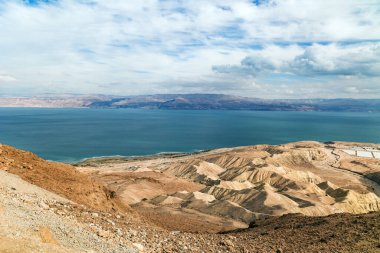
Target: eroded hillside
(59,178)
(235,186)
(53,207)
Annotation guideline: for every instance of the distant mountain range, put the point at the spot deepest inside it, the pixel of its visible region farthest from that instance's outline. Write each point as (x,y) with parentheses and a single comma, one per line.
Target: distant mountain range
(196,102)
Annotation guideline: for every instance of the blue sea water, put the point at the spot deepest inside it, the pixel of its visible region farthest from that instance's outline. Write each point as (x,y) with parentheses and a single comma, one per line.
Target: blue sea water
(73,134)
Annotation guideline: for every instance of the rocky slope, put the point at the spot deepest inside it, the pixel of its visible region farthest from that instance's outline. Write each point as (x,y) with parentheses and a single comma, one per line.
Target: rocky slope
(35,220)
(59,178)
(52,207)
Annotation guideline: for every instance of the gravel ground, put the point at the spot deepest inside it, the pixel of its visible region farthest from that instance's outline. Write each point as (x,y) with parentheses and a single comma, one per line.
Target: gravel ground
(26,214)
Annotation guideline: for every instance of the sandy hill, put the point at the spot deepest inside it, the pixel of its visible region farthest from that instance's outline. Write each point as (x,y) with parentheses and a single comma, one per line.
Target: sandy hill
(54,207)
(236,186)
(59,178)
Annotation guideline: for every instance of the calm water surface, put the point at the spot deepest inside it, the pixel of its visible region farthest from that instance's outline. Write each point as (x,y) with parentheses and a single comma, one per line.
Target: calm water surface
(73,134)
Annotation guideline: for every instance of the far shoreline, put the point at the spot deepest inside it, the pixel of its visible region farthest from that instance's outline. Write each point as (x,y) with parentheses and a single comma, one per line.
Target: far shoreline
(97,160)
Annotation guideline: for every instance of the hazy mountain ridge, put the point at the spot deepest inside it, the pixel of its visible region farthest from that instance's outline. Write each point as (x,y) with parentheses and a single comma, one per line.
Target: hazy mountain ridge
(225,102)
(195,102)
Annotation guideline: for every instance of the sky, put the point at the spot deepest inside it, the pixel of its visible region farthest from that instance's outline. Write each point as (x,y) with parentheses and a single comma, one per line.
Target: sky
(261,48)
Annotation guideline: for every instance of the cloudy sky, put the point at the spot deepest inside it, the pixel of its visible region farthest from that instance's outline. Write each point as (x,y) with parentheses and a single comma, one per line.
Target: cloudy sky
(267,48)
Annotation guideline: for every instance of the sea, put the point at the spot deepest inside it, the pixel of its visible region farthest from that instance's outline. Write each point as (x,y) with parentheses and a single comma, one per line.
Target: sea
(70,135)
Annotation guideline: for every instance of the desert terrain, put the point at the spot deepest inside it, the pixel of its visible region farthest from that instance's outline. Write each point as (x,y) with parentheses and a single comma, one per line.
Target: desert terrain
(296,197)
(239,185)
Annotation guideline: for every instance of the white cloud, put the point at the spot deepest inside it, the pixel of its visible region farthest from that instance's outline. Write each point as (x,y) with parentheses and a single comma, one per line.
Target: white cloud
(316,60)
(359,60)
(132,47)
(6,78)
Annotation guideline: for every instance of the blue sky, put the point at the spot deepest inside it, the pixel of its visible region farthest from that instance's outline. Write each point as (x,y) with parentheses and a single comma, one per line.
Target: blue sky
(268,48)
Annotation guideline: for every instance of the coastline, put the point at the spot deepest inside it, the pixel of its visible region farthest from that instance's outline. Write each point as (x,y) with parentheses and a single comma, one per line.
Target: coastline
(98,160)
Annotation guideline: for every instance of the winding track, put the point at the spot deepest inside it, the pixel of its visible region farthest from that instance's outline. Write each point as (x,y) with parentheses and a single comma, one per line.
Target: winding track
(335,166)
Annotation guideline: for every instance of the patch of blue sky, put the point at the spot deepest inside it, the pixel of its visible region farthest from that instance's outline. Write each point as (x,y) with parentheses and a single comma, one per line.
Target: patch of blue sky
(359,41)
(172,53)
(300,43)
(179,50)
(38,2)
(86,51)
(264,2)
(250,45)
(119,44)
(119,18)
(181,10)
(259,2)
(231,32)
(3,6)
(325,42)
(90,55)
(192,43)
(224,44)
(134,41)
